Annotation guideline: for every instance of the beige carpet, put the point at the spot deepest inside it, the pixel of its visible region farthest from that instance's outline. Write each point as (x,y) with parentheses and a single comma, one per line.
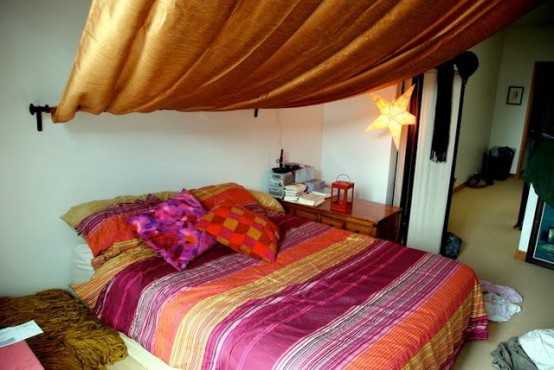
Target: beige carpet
(484,219)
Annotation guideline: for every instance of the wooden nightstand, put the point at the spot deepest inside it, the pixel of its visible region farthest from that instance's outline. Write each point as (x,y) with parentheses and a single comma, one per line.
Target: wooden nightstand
(370,218)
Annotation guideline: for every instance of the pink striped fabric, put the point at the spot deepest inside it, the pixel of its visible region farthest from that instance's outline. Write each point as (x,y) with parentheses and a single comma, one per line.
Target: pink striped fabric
(331,300)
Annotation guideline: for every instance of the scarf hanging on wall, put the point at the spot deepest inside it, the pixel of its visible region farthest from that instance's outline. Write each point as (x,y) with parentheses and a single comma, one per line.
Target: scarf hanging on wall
(443,112)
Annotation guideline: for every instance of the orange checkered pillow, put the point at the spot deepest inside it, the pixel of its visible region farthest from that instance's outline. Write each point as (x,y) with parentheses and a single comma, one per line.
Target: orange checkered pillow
(242,230)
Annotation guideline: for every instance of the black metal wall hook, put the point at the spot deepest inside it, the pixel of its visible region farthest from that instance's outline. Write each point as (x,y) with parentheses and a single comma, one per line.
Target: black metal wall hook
(39,109)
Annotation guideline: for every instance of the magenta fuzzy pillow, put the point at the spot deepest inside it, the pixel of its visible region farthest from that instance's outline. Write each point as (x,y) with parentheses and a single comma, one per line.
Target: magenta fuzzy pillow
(168,228)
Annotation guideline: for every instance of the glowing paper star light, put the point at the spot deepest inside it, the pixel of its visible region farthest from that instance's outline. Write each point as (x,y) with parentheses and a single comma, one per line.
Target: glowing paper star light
(393,114)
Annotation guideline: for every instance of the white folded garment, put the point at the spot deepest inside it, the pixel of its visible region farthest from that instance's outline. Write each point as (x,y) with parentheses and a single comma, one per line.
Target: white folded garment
(502,290)
(539,346)
(498,308)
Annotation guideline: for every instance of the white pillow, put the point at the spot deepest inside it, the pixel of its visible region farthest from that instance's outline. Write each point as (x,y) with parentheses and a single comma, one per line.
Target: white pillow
(539,346)
(81,269)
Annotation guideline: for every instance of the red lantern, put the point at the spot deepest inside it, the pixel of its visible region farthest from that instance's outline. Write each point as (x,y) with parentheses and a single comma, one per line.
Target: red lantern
(342,196)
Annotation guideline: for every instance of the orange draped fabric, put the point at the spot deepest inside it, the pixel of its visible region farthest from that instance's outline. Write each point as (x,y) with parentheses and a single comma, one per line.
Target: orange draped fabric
(201,55)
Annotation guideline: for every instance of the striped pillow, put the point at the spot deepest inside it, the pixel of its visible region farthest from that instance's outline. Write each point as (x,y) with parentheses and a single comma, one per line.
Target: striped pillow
(89,291)
(242,230)
(109,228)
(107,254)
(211,195)
(267,201)
(79,212)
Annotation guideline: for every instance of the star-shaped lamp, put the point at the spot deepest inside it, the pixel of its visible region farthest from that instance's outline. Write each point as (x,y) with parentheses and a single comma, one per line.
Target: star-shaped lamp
(393,114)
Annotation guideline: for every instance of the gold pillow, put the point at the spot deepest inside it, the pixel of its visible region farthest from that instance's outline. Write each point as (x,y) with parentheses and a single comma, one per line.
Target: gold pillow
(268,202)
(81,211)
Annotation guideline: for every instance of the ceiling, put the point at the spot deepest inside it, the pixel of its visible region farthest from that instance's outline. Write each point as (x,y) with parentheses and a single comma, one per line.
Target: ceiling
(542,16)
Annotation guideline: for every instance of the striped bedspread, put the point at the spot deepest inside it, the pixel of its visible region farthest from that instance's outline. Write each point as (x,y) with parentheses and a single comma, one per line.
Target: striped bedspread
(332,300)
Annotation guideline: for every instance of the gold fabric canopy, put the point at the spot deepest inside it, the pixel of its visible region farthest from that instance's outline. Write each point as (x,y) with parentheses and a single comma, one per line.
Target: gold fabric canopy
(201,55)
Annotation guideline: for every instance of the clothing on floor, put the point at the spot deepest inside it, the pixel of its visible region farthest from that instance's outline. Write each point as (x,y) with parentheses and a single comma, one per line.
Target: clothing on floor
(502,290)
(510,355)
(498,308)
(539,346)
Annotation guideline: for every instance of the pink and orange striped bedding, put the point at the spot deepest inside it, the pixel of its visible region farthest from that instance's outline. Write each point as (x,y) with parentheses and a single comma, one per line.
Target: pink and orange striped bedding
(331,300)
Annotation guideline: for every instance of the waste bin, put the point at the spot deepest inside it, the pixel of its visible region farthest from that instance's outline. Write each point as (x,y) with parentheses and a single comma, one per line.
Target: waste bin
(486,169)
(500,161)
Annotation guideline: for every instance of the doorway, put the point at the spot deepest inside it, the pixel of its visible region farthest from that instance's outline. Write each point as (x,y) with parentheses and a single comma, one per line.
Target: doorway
(539,126)
(540,119)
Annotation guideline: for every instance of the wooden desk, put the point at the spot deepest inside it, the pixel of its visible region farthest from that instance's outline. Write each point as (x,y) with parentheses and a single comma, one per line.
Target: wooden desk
(370,218)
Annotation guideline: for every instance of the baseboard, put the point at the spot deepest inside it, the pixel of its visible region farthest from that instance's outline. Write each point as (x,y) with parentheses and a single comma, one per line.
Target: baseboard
(520,255)
(463,185)
(460,187)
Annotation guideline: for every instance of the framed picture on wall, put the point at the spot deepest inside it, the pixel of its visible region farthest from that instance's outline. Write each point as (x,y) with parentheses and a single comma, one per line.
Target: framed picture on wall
(541,243)
(515,95)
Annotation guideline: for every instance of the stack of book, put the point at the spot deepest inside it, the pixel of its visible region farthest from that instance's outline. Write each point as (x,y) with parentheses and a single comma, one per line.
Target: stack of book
(325,192)
(293,191)
(311,199)
(314,184)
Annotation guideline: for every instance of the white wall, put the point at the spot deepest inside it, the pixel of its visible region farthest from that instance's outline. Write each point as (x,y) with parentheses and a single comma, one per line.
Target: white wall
(93,157)
(478,109)
(364,156)
(300,132)
(522,48)
(505,59)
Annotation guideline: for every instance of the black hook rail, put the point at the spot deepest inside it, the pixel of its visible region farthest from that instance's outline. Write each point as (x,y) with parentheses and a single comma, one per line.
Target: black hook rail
(39,109)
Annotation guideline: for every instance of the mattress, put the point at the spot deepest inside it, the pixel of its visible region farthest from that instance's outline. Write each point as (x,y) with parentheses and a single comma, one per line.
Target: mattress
(332,299)
(142,356)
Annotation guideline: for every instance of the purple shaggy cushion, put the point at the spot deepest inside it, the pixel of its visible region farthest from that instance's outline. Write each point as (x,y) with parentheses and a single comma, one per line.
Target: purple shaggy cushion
(168,228)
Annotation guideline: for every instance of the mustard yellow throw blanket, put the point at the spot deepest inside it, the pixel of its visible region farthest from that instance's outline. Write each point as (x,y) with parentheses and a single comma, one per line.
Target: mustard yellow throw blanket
(73,337)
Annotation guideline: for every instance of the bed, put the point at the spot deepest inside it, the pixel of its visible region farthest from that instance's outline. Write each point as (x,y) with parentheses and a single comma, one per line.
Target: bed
(331,299)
